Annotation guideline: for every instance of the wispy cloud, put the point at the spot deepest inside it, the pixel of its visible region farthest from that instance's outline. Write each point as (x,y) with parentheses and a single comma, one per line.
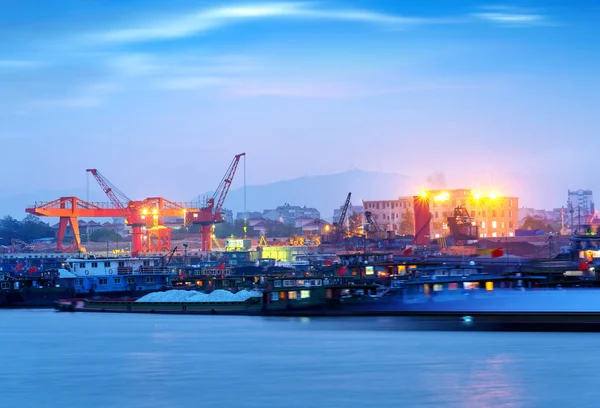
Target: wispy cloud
(87,97)
(16,64)
(512,16)
(193,23)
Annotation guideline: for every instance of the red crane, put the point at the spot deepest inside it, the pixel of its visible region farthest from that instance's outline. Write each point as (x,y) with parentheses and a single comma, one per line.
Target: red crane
(131,210)
(212,213)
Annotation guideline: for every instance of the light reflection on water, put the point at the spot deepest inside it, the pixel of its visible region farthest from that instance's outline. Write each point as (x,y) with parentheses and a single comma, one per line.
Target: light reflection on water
(100,360)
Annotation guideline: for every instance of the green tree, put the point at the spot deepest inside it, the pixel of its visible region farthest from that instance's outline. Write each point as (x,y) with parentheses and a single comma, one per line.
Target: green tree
(105,235)
(530,223)
(278,230)
(407,225)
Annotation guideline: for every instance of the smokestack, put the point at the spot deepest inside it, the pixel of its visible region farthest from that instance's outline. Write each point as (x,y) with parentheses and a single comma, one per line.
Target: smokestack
(422,220)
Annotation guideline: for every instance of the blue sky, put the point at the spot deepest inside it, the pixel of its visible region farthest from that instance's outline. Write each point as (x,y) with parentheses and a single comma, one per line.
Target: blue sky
(161,95)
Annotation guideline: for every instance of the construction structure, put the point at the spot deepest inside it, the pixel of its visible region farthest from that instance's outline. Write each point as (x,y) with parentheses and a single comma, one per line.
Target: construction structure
(138,214)
(211,212)
(338,230)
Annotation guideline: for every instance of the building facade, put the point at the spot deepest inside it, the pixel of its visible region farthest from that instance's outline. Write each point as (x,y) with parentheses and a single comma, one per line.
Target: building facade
(580,203)
(393,215)
(495,216)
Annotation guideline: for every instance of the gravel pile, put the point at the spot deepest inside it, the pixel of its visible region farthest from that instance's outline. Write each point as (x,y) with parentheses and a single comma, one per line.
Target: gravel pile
(178,296)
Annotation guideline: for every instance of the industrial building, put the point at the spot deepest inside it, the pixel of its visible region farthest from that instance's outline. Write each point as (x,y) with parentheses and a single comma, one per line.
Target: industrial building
(495,216)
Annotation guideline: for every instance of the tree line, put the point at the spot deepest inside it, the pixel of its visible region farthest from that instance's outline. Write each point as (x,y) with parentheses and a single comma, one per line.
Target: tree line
(27,229)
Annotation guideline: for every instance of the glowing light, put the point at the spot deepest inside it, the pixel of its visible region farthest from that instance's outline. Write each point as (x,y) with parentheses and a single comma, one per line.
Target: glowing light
(327,228)
(155,211)
(476,195)
(144,211)
(423,194)
(443,196)
(493,195)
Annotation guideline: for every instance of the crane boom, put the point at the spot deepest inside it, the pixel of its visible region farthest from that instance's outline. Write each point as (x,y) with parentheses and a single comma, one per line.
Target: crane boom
(116,196)
(342,219)
(225,184)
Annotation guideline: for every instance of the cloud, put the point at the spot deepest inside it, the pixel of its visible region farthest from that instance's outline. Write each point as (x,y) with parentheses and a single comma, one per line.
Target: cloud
(18,64)
(88,96)
(188,83)
(193,23)
(512,16)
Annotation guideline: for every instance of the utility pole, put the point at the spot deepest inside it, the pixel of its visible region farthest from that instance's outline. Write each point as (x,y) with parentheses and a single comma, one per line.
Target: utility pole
(107,242)
(578,219)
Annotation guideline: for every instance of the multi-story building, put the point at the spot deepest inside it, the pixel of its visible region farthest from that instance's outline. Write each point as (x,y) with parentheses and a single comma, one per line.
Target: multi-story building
(495,216)
(580,203)
(287,214)
(393,215)
(352,209)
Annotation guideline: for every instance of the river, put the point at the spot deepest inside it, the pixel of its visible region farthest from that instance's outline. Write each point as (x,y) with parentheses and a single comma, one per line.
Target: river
(52,359)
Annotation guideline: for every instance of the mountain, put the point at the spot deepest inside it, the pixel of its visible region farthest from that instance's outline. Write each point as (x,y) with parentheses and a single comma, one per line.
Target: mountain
(324,192)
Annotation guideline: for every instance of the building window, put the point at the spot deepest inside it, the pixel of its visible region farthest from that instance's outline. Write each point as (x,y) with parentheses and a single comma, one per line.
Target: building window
(107,264)
(149,279)
(82,265)
(131,281)
(494,234)
(102,281)
(510,213)
(510,203)
(510,224)
(121,264)
(503,224)
(494,213)
(117,281)
(444,225)
(472,213)
(483,213)
(494,224)
(94,264)
(510,234)
(482,224)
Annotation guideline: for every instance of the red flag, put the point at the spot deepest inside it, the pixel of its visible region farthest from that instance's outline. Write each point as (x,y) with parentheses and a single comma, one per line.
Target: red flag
(408,251)
(221,266)
(32,269)
(342,271)
(497,253)
(584,266)
(19,267)
(328,262)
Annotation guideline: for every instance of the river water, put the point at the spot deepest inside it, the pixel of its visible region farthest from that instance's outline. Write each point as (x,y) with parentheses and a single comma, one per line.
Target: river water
(52,359)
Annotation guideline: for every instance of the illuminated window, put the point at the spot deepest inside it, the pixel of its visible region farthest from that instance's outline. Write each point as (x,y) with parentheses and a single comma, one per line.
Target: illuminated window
(494,224)
(438,287)
(275,296)
(444,225)
(293,295)
(494,234)
(304,294)
(510,234)
(369,270)
(482,224)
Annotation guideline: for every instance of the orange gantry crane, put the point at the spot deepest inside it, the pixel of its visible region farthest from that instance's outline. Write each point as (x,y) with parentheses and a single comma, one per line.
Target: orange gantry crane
(138,215)
(212,211)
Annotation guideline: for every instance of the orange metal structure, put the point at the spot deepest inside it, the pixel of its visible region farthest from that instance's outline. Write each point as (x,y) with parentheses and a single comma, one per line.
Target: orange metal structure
(212,213)
(137,214)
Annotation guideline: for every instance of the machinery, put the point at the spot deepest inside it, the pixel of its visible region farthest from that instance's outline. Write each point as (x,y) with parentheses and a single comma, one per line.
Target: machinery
(463,229)
(137,214)
(338,231)
(211,213)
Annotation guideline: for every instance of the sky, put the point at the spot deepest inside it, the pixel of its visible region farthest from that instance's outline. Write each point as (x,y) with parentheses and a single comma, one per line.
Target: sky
(160,95)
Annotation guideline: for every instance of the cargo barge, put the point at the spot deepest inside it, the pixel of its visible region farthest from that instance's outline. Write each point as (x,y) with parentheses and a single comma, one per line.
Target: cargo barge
(477,302)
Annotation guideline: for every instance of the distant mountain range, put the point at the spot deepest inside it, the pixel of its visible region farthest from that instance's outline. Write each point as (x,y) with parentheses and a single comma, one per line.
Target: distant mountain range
(324,193)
